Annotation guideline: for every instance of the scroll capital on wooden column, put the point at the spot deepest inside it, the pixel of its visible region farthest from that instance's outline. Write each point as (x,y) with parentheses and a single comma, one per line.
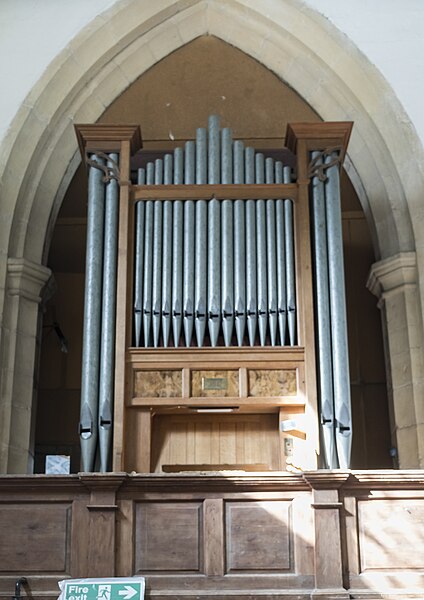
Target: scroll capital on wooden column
(328,543)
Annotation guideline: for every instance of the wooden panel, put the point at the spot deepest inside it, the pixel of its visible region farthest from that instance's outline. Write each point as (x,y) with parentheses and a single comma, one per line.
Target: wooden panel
(258,536)
(276,382)
(227,440)
(168,536)
(213,536)
(226,384)
(138,432)
(157,384)
(39,536)
(391,534)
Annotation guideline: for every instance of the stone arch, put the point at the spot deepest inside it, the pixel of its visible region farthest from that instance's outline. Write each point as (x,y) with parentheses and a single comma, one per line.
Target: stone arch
(108,55)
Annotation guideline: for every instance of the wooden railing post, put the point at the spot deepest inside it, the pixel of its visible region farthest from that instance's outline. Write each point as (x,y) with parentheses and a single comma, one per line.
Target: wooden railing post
(102,507)
(328,539)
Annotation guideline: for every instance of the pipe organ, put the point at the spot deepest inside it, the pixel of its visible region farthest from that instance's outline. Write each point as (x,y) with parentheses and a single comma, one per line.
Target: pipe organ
(215,327)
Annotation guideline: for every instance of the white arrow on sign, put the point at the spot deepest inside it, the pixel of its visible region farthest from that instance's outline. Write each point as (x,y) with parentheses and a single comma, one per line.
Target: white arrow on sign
(128,593)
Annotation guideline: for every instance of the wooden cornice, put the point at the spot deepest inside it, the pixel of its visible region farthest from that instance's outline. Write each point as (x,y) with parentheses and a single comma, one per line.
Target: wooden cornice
(320,136)
(107,138)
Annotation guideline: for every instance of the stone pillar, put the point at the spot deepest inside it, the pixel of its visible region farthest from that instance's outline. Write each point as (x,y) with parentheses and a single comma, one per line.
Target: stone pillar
(395,282)
(24,283)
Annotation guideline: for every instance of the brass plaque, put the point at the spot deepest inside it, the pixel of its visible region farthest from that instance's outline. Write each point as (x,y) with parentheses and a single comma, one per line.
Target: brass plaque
(206,383)
(214,383)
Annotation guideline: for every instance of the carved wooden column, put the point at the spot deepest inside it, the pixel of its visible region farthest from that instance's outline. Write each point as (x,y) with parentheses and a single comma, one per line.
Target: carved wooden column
(328,542)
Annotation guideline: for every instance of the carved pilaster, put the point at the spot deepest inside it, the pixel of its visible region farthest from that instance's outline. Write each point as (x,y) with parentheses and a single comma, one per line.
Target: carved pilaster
(328,541)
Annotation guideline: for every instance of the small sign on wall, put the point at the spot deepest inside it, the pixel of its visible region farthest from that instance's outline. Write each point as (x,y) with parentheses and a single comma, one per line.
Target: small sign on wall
(114,588)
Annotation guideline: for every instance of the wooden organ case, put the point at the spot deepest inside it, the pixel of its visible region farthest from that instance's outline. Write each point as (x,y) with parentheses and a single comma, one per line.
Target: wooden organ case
(215,357)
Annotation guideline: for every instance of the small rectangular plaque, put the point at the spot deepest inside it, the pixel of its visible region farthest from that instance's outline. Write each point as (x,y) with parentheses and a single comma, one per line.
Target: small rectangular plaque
(214,383)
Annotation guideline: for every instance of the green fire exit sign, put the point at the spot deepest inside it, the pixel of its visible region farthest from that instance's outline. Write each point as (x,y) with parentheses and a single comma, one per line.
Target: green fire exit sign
(103,589)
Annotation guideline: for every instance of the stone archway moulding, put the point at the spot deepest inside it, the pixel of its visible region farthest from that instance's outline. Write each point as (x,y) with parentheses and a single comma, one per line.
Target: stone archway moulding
(37,159)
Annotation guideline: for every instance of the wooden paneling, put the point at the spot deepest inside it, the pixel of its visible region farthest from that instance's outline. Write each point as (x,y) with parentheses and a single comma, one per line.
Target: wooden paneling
(322,534)
(227,383)
(168,536)
(258,536)
(35,537)
(158,384)
(276,382)
(391,534)
(215,439)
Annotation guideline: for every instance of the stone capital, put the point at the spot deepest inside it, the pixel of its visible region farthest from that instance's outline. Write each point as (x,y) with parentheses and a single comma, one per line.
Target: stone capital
(26,279)
(393,275)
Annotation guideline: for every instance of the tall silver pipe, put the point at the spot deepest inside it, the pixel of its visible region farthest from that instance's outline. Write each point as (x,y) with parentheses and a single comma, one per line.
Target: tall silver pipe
(139,262)
(227,277)
(290,262)
(148,259)
(200,267)
(88,428)
(107,350)
(281,259)
(177,251)
(251,279)
(200,270)
(214,241)
(261,248)
(167,254)
(325,369)
(214,270)
(188,269)
(201,155)
(342,406)
(271,256)
(239,248)
(213,150)
(157,257)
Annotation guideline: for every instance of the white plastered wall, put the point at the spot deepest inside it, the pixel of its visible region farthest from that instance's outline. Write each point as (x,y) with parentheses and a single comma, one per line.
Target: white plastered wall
(85,68)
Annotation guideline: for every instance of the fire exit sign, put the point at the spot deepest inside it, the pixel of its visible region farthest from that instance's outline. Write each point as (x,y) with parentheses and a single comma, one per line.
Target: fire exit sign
(117,588)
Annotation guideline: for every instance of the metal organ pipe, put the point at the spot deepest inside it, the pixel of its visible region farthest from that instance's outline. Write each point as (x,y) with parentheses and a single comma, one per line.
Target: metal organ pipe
(281,259)
(188,262)
(167,255)
(157,257)
(214,236)
(227,227)
(251,280)
(261,252)
(271,256)
(88,428)
(325,368)
(239,248)
(107,346)
(290,264)
(177,251)
(139,262)
(148,260)
(342,407)
(201,239)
